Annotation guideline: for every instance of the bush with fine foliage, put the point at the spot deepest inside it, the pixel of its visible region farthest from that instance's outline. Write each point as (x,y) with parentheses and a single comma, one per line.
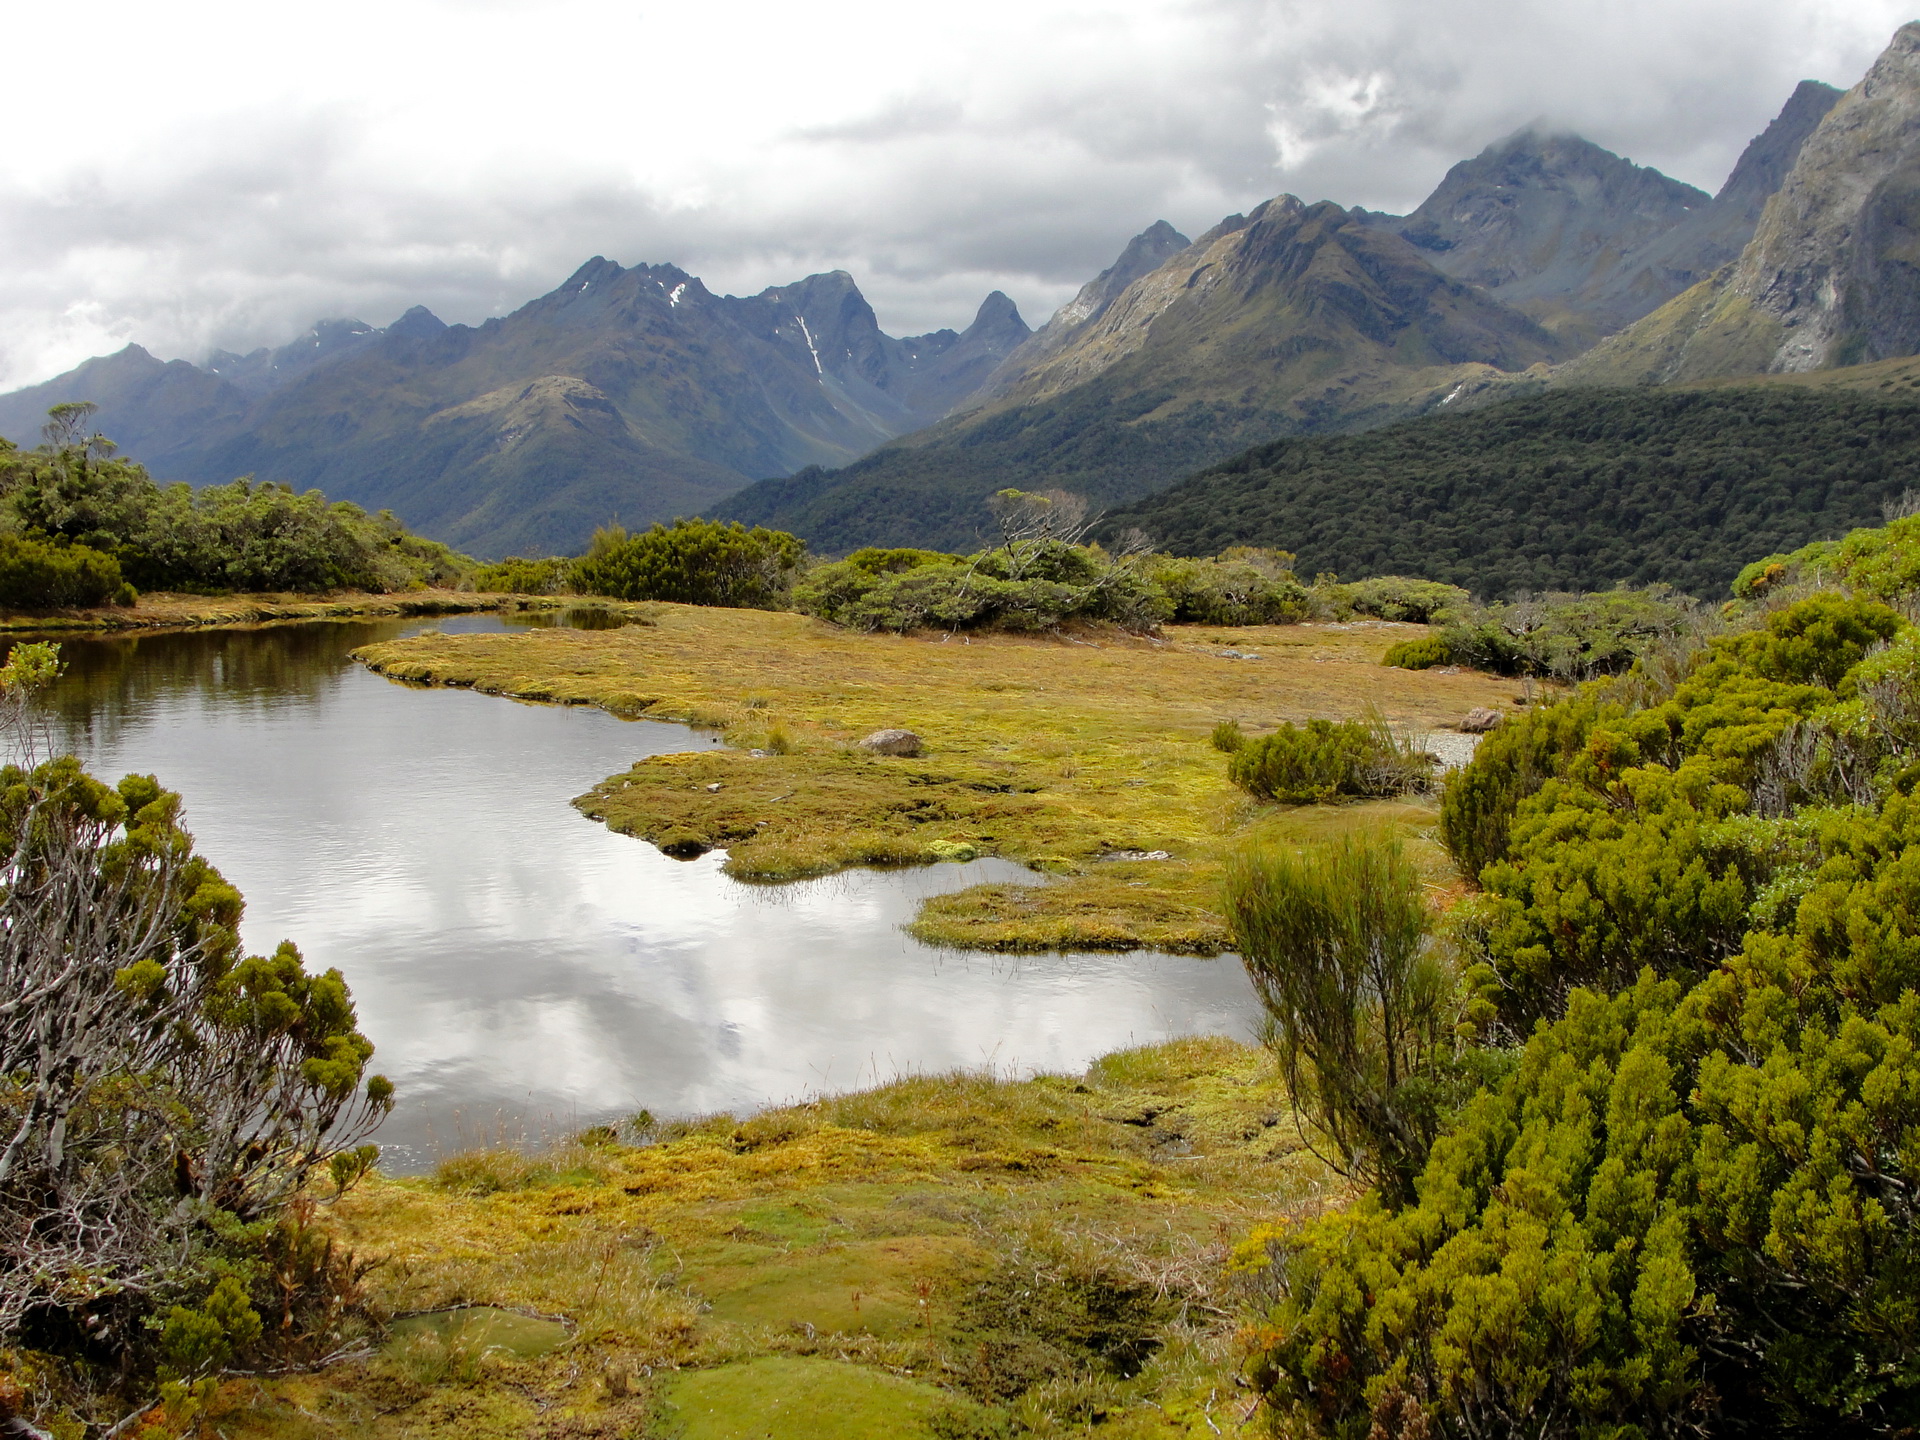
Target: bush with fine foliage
(517,575)
(167,1095)
(42,575)
(1033,584)
(692,562)
(1401,597)
(1563,637)
(1683,1204)
(1328,760)
(1243,586)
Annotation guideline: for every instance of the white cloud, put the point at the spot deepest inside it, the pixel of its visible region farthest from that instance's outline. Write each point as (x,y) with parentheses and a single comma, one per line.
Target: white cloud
(222,174)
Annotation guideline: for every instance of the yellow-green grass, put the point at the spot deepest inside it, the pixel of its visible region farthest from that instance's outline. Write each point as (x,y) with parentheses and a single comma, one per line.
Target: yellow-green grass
(160,611)
(914,1260)
(1051,751)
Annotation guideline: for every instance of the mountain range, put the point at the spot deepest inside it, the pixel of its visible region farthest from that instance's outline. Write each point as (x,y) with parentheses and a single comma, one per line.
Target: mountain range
(1543,262)
(634,394)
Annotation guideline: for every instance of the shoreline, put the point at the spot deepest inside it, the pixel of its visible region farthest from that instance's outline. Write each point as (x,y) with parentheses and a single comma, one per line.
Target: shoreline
(162,611)
(1088,761)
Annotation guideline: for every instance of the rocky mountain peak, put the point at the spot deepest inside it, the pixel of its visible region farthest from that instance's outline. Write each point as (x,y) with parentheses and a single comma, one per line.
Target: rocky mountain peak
(1832,261)
(1763,166)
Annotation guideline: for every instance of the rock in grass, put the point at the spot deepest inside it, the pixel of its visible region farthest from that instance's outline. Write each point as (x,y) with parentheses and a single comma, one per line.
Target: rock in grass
(1478,722)
(892,742)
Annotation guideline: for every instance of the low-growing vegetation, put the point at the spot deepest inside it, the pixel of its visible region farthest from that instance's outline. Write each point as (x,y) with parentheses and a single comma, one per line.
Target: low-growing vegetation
(1326,760)
(1055,753)
(1561,637)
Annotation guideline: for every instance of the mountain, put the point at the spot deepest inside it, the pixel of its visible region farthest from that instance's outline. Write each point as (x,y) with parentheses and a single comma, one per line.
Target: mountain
(1145,253)
(1574,489)
(630,393)
(1295,318)
(1587,242)
(1831,276)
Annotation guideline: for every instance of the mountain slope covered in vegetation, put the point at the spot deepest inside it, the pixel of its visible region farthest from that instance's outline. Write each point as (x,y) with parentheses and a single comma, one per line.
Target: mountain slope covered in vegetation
(1571,490)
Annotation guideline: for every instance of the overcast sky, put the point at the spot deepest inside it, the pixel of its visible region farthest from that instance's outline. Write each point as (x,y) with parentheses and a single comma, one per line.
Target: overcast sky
(205,174)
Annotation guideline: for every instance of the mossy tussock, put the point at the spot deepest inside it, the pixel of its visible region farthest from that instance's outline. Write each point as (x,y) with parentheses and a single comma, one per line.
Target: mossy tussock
(944,1256)
(1053,751)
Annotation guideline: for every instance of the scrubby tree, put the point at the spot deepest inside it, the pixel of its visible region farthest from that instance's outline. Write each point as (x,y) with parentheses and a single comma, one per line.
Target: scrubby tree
(1361,1009)
(157,1086)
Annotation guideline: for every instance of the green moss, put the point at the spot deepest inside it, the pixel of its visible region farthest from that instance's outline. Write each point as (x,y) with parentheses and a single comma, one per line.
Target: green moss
(818,1399)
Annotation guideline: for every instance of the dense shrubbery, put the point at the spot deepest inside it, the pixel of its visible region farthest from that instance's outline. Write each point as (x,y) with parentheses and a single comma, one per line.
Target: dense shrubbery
(242,536)
(517,575)
(1571,490)
(1244,586)
(1034,586)
(692,562)
(1683,1202)
(1327,760)
(1563,637)
(41,574)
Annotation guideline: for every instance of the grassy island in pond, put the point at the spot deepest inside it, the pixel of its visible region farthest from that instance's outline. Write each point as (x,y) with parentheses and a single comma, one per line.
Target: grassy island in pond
(1056,752)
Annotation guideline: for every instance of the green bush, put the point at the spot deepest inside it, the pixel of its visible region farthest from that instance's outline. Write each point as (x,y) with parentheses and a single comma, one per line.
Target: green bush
(1419,654)
(692,562)
(1243,586)
(242,536)
(1567,637)
(1028,586)
(517,575)
(46,575)
(1228,737)
(1328,760)
(1682,1203)
(1401,597)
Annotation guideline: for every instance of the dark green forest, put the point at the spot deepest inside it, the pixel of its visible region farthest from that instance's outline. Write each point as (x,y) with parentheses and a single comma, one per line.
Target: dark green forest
(1571,490)
(932,494)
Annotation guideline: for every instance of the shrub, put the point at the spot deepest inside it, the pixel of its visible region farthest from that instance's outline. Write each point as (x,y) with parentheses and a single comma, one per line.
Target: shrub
(1326,760)
(1244,586)
(1400,597)
(692,562)
(1422,653)
(517,575)
(1362,1012)
(1567,637)
(1035,585)
(1228,738)
(46,575)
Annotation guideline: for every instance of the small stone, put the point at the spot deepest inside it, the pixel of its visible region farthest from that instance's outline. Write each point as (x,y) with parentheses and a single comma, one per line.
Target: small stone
(713,787)
(892,742)
(1480,721)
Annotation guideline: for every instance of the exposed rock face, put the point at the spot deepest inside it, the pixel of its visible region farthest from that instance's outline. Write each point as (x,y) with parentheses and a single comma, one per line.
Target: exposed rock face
(1834,260)
(1832,274)
(634,393)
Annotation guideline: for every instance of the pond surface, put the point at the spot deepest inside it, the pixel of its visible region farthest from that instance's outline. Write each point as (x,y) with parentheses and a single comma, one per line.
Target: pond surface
(523,970)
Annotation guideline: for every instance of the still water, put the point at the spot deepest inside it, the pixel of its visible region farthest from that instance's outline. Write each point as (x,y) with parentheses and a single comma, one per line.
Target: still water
(523,970)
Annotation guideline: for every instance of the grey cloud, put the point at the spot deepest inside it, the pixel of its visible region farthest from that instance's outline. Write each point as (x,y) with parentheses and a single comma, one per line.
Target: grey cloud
(1026,176)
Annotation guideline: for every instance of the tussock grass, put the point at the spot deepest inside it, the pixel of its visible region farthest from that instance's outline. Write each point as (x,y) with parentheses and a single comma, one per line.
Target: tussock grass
(1052,751)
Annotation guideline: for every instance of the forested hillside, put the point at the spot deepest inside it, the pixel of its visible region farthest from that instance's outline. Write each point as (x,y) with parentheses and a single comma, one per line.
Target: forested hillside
(1574,490)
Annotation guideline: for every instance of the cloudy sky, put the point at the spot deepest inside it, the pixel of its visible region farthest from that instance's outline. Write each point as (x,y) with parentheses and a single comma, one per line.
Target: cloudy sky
(212,173)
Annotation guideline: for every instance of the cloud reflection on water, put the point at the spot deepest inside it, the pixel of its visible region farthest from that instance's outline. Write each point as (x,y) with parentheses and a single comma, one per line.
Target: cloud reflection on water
(524,970)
